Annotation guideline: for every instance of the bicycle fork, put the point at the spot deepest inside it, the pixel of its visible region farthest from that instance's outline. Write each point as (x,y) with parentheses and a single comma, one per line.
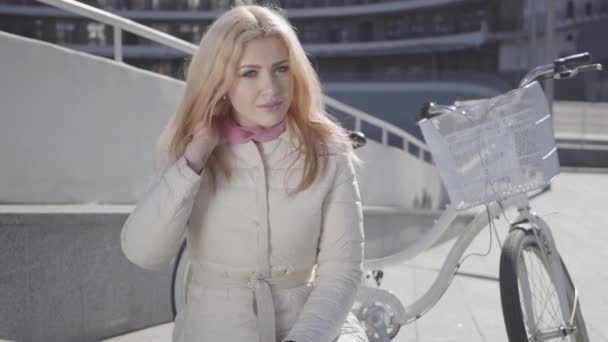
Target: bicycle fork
(556,272)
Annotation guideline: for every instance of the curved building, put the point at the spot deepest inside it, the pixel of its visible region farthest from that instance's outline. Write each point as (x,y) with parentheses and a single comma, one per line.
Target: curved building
(488,42)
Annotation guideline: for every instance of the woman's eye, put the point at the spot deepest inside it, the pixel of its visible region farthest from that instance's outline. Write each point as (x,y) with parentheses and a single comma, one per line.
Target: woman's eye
(250,73)
(283,68)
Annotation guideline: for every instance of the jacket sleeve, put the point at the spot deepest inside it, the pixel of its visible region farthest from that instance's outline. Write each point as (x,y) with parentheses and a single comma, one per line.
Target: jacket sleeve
(339,261)
(153,232)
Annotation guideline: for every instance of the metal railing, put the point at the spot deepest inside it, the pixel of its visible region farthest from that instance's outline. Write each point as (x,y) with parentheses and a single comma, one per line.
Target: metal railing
(121,24)
(386,128)
(185,5)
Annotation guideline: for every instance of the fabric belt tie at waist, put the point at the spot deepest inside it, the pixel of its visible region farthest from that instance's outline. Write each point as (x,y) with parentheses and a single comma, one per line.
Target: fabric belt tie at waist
(265,308)
(266,320)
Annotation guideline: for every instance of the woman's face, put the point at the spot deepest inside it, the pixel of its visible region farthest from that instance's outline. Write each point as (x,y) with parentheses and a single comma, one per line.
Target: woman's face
(263,90)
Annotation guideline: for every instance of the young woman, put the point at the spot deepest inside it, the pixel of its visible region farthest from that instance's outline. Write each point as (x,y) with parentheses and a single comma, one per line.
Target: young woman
(261,183)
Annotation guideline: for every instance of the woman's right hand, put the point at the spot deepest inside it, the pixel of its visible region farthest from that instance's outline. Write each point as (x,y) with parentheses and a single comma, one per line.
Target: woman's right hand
(204,140)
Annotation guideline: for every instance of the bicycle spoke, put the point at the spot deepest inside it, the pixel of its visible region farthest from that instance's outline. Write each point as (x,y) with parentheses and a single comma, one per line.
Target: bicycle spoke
(526,297)
(526,274)
(543,290)
(544,306)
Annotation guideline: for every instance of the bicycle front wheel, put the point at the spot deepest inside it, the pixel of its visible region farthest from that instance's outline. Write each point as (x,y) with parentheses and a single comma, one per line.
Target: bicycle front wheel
(530,303)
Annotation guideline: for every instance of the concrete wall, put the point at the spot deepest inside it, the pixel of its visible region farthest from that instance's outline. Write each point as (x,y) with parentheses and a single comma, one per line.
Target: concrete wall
(64,278)
(76,128)
(582,121)
(81,129)
(395,178)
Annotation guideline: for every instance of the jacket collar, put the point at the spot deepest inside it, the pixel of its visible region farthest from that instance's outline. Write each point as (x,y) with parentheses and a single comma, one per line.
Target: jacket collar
(274,152)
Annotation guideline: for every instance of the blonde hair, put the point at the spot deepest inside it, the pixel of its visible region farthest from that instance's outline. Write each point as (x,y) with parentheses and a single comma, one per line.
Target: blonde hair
(213,69)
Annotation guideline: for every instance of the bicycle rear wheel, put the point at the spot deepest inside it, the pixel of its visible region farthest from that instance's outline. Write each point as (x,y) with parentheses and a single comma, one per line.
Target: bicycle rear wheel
(524,274)
(179,281)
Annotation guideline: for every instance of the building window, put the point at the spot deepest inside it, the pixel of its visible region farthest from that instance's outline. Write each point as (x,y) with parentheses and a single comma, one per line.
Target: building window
(393,28)
(333,34)
(588,9)
(97,33)
(443,24)
(161,27)
(220,4)
(296,3)
(406,26)
(190,32)
(138,4)
(197,32)
(185,32)
(65,32)
(161,68)
(111,4)
(310,33)
(570,9)
(365,66)
(418,25)
(472,22)
(194,4)
(38,29)
(366,31)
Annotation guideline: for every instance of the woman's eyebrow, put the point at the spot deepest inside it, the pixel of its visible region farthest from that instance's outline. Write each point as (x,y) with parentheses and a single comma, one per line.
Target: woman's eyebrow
(258,67)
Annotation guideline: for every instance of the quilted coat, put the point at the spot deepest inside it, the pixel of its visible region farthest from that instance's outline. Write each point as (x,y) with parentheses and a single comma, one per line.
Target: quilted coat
(266,266)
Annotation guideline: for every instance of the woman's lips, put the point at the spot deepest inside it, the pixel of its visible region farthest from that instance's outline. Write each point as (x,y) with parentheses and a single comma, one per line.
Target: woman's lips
(271,107)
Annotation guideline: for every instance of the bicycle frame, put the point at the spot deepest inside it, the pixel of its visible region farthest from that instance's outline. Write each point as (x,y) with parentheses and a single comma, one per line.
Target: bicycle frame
(443,278)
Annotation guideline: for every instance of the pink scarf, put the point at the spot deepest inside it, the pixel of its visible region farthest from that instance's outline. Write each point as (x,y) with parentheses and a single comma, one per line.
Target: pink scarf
(236,134)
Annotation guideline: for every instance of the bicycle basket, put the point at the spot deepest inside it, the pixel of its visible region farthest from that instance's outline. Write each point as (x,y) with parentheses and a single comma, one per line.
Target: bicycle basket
(494,148)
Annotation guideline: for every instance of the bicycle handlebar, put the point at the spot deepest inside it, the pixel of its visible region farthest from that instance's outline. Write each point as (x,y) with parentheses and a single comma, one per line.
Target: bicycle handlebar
(573,61)
(568,73)
(561,68)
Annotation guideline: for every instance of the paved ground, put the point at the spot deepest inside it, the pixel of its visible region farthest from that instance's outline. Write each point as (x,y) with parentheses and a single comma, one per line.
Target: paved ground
(470,309)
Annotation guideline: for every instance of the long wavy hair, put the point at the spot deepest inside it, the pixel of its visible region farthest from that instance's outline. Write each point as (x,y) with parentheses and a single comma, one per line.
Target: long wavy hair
(213,69)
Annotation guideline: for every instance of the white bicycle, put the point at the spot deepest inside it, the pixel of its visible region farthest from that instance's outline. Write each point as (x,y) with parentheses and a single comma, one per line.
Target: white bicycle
(496,153)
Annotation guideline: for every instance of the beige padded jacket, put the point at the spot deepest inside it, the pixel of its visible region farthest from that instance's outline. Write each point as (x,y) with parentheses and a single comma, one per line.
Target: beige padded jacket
(266,267)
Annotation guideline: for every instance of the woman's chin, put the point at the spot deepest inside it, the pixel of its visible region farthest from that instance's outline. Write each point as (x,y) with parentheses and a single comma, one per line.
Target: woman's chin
(270,120)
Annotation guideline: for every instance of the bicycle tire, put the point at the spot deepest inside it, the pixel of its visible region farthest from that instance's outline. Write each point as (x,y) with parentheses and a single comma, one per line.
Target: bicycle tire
(518,241)
(174,279)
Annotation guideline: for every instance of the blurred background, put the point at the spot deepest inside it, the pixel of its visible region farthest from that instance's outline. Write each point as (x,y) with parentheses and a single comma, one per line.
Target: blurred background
(85,91)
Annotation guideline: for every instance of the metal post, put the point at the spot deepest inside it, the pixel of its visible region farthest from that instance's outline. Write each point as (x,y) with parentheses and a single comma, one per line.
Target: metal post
(532,22)
(384,136)
(117,44)
(357,124)
(550,48)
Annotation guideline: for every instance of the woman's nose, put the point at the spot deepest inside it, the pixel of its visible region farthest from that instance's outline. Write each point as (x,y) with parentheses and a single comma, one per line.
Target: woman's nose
(271,84)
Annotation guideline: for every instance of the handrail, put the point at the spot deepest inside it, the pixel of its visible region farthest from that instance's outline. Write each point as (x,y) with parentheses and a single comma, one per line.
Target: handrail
(385,126)
(121,24)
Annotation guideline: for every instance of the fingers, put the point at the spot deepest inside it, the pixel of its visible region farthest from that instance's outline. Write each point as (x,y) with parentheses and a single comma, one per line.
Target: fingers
(209,134)
(200,129)
(215,124)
